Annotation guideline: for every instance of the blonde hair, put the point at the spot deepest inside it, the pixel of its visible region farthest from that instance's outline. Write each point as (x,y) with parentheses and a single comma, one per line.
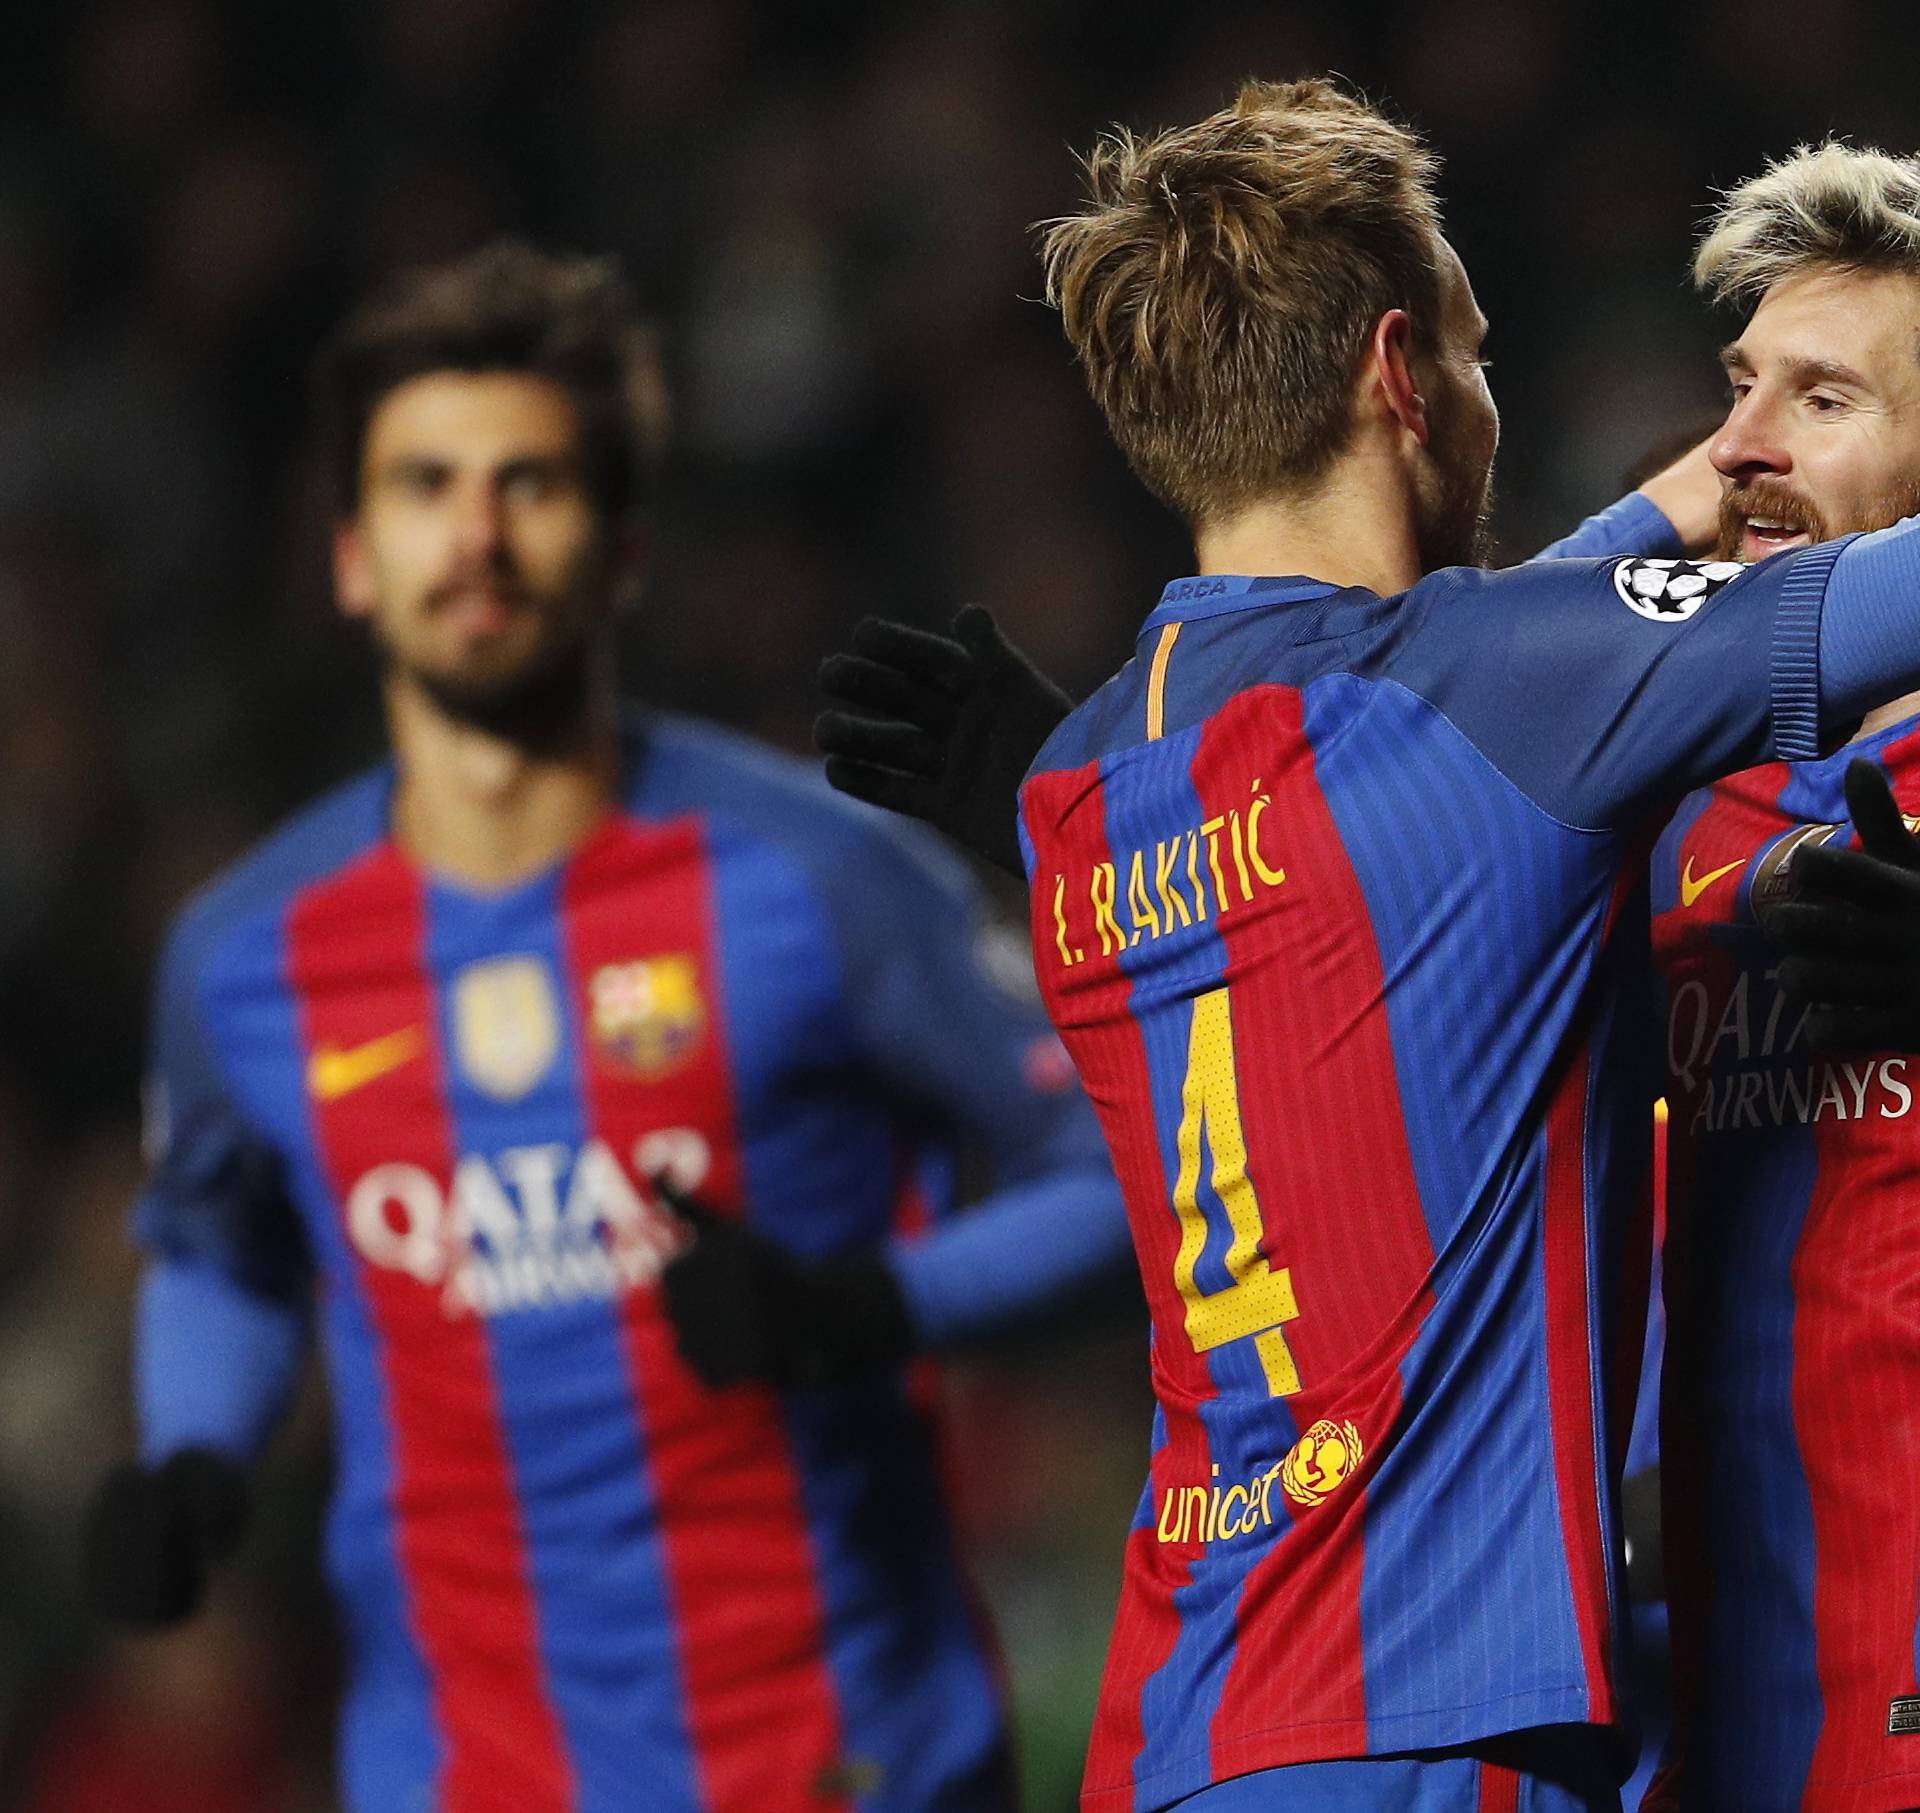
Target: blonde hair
(1826,205)
(1224,277)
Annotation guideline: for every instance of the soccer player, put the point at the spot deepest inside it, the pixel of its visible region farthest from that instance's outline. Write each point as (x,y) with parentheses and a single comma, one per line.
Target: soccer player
(433,1055)
(1338,897)
(1792,1444)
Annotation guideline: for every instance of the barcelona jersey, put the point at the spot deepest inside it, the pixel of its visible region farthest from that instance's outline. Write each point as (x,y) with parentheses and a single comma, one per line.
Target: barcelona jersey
(1791,1456)
(572,1578)
(1338,902)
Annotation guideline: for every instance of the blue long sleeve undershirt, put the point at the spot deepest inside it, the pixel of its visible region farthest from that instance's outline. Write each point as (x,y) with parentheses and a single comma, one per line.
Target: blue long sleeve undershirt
(215,1364)
(1634,525)
(1069,1231)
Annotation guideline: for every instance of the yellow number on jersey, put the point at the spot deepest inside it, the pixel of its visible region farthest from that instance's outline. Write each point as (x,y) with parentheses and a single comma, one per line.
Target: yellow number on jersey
(1260,1298)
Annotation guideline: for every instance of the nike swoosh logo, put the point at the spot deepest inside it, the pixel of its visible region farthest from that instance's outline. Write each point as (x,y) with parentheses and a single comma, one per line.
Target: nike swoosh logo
(1691,890)
(332,1072)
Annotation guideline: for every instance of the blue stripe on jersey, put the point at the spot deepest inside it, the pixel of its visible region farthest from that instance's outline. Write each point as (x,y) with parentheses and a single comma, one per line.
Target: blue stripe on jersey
(914,1687)
(390,1747)
(1445,1640)
(1149,796)
(1759,1506)
(601,1606)
(1759,1509)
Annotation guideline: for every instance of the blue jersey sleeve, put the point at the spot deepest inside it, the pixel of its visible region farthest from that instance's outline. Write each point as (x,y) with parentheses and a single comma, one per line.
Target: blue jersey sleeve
(1604,688)
(1634,525)
(214,1195)
(222,1325)
(946,1009)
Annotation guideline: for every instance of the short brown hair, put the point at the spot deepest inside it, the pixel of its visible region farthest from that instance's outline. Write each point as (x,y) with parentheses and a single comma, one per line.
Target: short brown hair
(1827,206)
(506,307)
(1220,285)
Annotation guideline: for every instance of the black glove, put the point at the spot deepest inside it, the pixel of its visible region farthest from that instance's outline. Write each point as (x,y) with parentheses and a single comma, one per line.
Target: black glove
(153,1533)
(743,1307)
(941,728)
(1850,929)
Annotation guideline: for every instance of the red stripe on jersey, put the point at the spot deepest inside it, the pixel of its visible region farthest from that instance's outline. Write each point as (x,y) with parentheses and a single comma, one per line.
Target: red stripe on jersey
(1313,1049)
(1856,1330)
(1576,1458)
(1641,1241)
(742,1576)
(357,962)
(1088,1001)
(1499,1789)
(1641,1236)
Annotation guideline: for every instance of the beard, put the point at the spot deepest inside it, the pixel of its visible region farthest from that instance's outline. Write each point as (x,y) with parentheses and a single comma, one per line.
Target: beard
(1779,502)
(537,702)
(537,706)
(1451,517)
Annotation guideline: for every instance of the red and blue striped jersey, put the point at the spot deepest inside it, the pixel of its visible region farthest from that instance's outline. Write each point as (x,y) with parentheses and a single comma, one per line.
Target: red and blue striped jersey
(1791,1447)
(1338,903)
(572,1577)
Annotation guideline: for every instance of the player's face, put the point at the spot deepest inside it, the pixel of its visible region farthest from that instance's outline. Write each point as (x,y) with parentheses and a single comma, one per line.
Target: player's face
(1454,488)
(477,555)
(1823,437)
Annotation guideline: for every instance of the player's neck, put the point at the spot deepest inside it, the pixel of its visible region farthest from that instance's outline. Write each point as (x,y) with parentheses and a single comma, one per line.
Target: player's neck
(1883,715)
(1356,529)
(485,810)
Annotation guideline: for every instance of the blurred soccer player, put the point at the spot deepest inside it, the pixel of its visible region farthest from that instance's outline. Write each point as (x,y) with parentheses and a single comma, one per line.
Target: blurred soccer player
(1338,900)
(434,1053)
(1792,1422)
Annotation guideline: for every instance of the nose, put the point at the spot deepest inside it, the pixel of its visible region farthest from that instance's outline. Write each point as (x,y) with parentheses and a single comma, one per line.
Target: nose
(481,524)
(1749,444)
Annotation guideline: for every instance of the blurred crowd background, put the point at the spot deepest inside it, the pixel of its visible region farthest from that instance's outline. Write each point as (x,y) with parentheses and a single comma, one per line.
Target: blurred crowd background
(828,206)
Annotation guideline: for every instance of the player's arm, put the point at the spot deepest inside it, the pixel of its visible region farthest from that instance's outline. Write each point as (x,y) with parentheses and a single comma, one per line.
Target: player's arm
(940,1028)
(1604,689)
(948,1012)
(220,1334)
(1633,525)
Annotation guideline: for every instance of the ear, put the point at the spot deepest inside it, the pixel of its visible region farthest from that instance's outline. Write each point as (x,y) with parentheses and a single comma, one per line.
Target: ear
(1389,364)
(354,587)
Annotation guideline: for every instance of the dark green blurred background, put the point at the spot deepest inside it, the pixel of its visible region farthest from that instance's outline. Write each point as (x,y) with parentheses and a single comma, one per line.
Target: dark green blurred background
(829,208)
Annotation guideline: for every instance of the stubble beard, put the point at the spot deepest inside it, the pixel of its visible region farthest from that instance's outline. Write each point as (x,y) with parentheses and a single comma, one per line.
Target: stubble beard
(1456,531)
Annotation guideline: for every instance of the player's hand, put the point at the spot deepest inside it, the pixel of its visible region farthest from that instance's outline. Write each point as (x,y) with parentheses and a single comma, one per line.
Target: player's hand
(1851,930)
(154,1533)
(744,1308)
(942,728)
(1687,494)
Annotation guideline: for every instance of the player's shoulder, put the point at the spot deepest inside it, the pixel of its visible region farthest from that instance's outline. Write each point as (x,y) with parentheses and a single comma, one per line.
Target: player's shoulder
(258,885)
(780,801)
(1106,719)
(1658,587)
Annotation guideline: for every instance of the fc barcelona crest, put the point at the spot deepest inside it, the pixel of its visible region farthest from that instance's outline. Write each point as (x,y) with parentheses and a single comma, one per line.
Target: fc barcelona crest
(648,1015)
(506,1025)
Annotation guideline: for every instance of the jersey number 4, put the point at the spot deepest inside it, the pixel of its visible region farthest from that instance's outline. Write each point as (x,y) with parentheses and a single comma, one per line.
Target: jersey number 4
(1260,1299)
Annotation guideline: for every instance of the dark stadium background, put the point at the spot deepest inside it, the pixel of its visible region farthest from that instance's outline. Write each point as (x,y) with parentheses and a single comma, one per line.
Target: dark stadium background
(828,205)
